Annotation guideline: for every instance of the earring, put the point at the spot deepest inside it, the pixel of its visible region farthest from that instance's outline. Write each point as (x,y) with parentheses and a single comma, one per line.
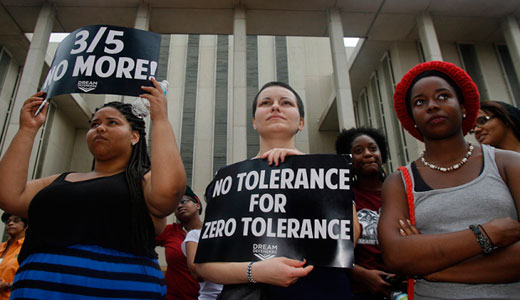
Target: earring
(133,143)
(464,116)
(415,125)
(382,174)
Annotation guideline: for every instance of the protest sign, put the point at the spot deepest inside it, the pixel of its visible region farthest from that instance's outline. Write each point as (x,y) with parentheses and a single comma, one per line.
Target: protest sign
(102,59)
(300,209)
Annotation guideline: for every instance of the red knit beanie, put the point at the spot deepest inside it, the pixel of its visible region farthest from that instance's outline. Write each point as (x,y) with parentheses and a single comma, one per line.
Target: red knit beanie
(469,90)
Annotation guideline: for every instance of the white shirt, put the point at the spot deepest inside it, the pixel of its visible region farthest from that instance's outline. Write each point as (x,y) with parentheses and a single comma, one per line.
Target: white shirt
(208,290)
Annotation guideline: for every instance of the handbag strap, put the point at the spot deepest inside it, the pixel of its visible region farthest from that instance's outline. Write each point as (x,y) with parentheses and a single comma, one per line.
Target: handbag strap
(411,211)
(409,192)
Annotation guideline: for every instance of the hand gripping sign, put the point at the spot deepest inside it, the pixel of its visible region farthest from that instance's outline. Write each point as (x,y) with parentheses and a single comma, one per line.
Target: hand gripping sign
(300,209)
(102,59)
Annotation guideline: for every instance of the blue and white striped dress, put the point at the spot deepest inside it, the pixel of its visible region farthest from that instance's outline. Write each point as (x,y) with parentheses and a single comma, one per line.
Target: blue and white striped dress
(88,272)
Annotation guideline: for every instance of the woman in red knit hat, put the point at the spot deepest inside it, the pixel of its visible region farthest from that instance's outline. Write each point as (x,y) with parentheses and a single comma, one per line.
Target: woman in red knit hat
(466,240)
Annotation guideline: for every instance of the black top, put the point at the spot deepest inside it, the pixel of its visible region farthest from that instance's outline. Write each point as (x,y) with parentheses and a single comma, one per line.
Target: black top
(90,212)
(321,283)
(420,184)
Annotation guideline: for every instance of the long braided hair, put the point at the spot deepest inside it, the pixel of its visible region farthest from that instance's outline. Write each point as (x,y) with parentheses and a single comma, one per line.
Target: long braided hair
(141,229)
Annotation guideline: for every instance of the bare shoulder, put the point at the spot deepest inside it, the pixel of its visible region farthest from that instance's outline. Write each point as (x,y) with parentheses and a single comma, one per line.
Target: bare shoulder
(32,188)
(393,182)
(394,195)
(36,185)
(508,163)
(505,158)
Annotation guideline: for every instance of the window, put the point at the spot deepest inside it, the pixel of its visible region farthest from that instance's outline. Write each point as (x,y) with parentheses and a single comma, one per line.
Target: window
(469,58)
(509,72)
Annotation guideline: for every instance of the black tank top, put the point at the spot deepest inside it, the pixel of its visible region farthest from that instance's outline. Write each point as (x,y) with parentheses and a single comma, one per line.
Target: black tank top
(90,212)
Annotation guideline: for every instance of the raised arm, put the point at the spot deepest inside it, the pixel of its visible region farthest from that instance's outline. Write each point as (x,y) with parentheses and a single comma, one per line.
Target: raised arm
(280,271)
(165,183)
(425,254)
(15,192)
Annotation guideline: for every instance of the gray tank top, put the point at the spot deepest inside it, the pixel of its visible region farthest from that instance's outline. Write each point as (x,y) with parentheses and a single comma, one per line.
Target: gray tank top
(481,200)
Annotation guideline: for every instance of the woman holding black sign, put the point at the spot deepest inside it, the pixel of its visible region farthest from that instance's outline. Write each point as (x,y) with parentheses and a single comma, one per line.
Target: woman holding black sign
(465,197)
(278,115)
(93,234)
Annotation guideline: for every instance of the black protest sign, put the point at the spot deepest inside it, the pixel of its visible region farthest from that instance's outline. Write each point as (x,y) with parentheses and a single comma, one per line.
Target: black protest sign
(300,209)
(102,59)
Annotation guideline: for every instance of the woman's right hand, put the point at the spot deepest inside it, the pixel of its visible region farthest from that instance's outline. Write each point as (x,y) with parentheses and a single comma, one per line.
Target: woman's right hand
(502,232)
(28,121)
(280,271)
(372,279)
(277,155)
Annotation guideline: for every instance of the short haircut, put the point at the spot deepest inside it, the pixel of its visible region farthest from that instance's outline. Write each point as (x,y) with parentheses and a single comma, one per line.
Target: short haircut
(299,101)
(6,216)
(346,138)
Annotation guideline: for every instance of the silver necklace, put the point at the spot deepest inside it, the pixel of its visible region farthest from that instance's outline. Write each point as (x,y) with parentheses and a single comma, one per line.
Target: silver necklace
(454,167)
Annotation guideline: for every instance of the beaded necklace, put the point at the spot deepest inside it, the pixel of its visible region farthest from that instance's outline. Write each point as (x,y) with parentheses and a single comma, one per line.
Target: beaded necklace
(448,169)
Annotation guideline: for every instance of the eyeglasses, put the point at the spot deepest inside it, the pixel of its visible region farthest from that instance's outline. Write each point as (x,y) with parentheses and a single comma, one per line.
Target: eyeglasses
(481,121)
(14,220)
(184,201)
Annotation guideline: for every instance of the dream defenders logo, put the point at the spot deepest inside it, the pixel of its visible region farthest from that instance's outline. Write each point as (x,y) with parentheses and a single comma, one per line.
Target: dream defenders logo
(265,251)
(87,86)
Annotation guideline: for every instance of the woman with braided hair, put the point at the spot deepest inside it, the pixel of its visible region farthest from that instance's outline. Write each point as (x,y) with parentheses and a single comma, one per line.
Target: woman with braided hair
(92,235)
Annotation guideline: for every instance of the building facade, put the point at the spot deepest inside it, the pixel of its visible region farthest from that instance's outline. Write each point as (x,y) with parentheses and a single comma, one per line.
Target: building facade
(216,55)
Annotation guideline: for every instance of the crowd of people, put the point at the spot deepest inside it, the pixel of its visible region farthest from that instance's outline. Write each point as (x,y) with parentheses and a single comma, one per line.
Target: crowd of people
(448,221)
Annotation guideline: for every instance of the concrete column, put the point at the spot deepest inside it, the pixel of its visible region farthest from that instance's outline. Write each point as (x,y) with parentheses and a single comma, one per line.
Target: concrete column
(204,116)
(177,77)
(31,74)
(296,65)
(142,22)
(266,60)
(341,74)
(512,37)
(238,102)
(404,57)
(142,18)
(429,41)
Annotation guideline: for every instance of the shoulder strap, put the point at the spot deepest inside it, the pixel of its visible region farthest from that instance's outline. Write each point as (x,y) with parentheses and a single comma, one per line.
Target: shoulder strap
(409,192)
(411,211)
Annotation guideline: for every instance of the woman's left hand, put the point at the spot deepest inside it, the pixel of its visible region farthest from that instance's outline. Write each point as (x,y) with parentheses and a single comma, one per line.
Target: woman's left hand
(407,228)
(277,155)
(157,99)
